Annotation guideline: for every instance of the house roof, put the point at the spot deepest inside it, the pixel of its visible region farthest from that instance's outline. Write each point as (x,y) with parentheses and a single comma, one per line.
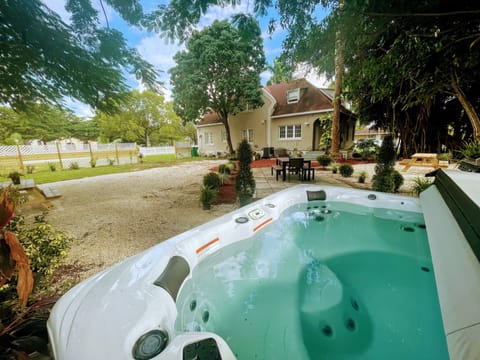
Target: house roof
(311,98)
(209,118)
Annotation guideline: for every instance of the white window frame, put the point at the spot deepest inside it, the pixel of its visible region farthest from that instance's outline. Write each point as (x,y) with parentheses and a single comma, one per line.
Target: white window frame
(290,132)
(293,96)
(247,134)
(208,138)
(224,135)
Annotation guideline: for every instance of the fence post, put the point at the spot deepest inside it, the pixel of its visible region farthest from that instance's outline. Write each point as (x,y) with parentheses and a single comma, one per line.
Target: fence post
(20,158)
(116,153)
(59,156)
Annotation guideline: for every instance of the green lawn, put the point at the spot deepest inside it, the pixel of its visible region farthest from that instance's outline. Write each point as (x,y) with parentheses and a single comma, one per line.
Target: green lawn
(42,173)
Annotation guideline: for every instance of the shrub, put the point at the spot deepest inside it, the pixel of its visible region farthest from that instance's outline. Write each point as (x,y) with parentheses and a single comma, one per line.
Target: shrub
(384,180)
(445,156)
(52,167)
(244,182)
(224,169)
(111,162)
(45,247)
(324,160)
(420,184)
(207,196)
(362,177)
(93,162)
(74,165)
(30,169)
(15,177)
(397,180)
(346,170)
(334,169)
(212,180)
(470,149)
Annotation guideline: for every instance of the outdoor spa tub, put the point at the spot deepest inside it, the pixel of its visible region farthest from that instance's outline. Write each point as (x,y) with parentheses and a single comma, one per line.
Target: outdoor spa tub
(311,272)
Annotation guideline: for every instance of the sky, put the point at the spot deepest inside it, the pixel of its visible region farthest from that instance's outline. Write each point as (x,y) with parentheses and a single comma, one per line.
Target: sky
(160,53)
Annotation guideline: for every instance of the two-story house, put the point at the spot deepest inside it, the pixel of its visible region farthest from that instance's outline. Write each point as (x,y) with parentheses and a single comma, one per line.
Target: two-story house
(292,117)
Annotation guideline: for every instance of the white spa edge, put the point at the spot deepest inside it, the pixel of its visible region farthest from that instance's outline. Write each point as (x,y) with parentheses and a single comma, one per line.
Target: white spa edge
(102,317)
(457,270)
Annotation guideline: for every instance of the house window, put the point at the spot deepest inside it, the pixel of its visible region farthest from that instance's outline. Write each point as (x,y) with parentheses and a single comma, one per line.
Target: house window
(247,134)
(224,136)
(293,96)
(208,138)
(290,132)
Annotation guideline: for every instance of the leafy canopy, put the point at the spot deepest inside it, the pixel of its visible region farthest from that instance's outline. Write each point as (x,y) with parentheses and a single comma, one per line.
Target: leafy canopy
(219,71)
(144,118)
(44,59)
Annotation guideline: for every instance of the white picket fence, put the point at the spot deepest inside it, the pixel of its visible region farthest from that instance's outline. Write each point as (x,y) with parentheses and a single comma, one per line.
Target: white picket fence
(19,156)
(156,150)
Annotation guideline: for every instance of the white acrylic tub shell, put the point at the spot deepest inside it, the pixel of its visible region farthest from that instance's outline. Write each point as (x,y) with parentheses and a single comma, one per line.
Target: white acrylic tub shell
(102,317)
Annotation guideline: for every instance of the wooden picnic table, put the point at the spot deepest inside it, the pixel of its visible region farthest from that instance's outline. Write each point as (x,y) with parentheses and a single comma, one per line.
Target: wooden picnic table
(422,159)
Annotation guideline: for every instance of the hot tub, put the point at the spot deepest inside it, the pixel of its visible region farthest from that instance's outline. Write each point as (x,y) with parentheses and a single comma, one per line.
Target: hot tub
(311,272)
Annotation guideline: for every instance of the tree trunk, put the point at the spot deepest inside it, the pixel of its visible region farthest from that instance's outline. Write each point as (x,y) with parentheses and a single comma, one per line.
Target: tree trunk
(339,68)
(469,109)
(227,130)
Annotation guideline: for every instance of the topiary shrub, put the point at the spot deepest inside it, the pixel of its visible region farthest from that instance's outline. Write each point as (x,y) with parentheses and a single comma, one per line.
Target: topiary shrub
(324,160)
(346,170)
(384,180)
(212,180)
(244,182)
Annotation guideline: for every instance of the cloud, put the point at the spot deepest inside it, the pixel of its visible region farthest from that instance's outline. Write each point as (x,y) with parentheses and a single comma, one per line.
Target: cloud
(265,76)
(158,52)
(311,74)
(80,109)
(58,6)
(223,13)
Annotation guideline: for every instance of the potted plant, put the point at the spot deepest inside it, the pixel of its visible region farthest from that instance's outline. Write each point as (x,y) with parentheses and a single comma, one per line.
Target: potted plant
(15,177)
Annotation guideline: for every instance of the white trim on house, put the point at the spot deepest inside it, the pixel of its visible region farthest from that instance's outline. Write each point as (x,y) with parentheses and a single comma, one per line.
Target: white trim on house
(207,125)
(302,113)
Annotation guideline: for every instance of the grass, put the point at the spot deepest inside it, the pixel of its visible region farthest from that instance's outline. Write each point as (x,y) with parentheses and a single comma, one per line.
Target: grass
(43,175)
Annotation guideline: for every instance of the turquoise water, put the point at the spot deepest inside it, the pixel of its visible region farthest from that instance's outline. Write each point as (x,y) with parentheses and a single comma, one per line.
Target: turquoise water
(326,281)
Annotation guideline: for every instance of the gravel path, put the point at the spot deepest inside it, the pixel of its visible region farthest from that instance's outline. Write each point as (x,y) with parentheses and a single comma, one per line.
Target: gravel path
(116,216)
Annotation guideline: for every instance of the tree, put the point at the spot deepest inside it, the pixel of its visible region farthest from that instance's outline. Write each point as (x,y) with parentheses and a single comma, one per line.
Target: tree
(405,60)
(281,72)
(140,116)
(219,71)
(44,60)
(42,122)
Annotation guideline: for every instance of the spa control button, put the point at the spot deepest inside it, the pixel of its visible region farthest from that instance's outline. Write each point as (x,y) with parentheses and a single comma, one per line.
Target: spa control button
(256,214)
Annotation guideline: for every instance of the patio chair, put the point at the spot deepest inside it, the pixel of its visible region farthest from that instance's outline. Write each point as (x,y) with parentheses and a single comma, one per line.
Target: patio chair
(295,166)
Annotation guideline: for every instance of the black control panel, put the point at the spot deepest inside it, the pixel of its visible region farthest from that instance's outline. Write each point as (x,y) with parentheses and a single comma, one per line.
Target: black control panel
(205,349)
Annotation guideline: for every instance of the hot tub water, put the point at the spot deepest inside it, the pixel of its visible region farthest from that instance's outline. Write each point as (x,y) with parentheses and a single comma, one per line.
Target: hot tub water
(328,280)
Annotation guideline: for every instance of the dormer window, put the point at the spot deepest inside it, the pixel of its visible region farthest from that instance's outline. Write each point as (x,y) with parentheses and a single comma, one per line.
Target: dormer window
(293,96)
